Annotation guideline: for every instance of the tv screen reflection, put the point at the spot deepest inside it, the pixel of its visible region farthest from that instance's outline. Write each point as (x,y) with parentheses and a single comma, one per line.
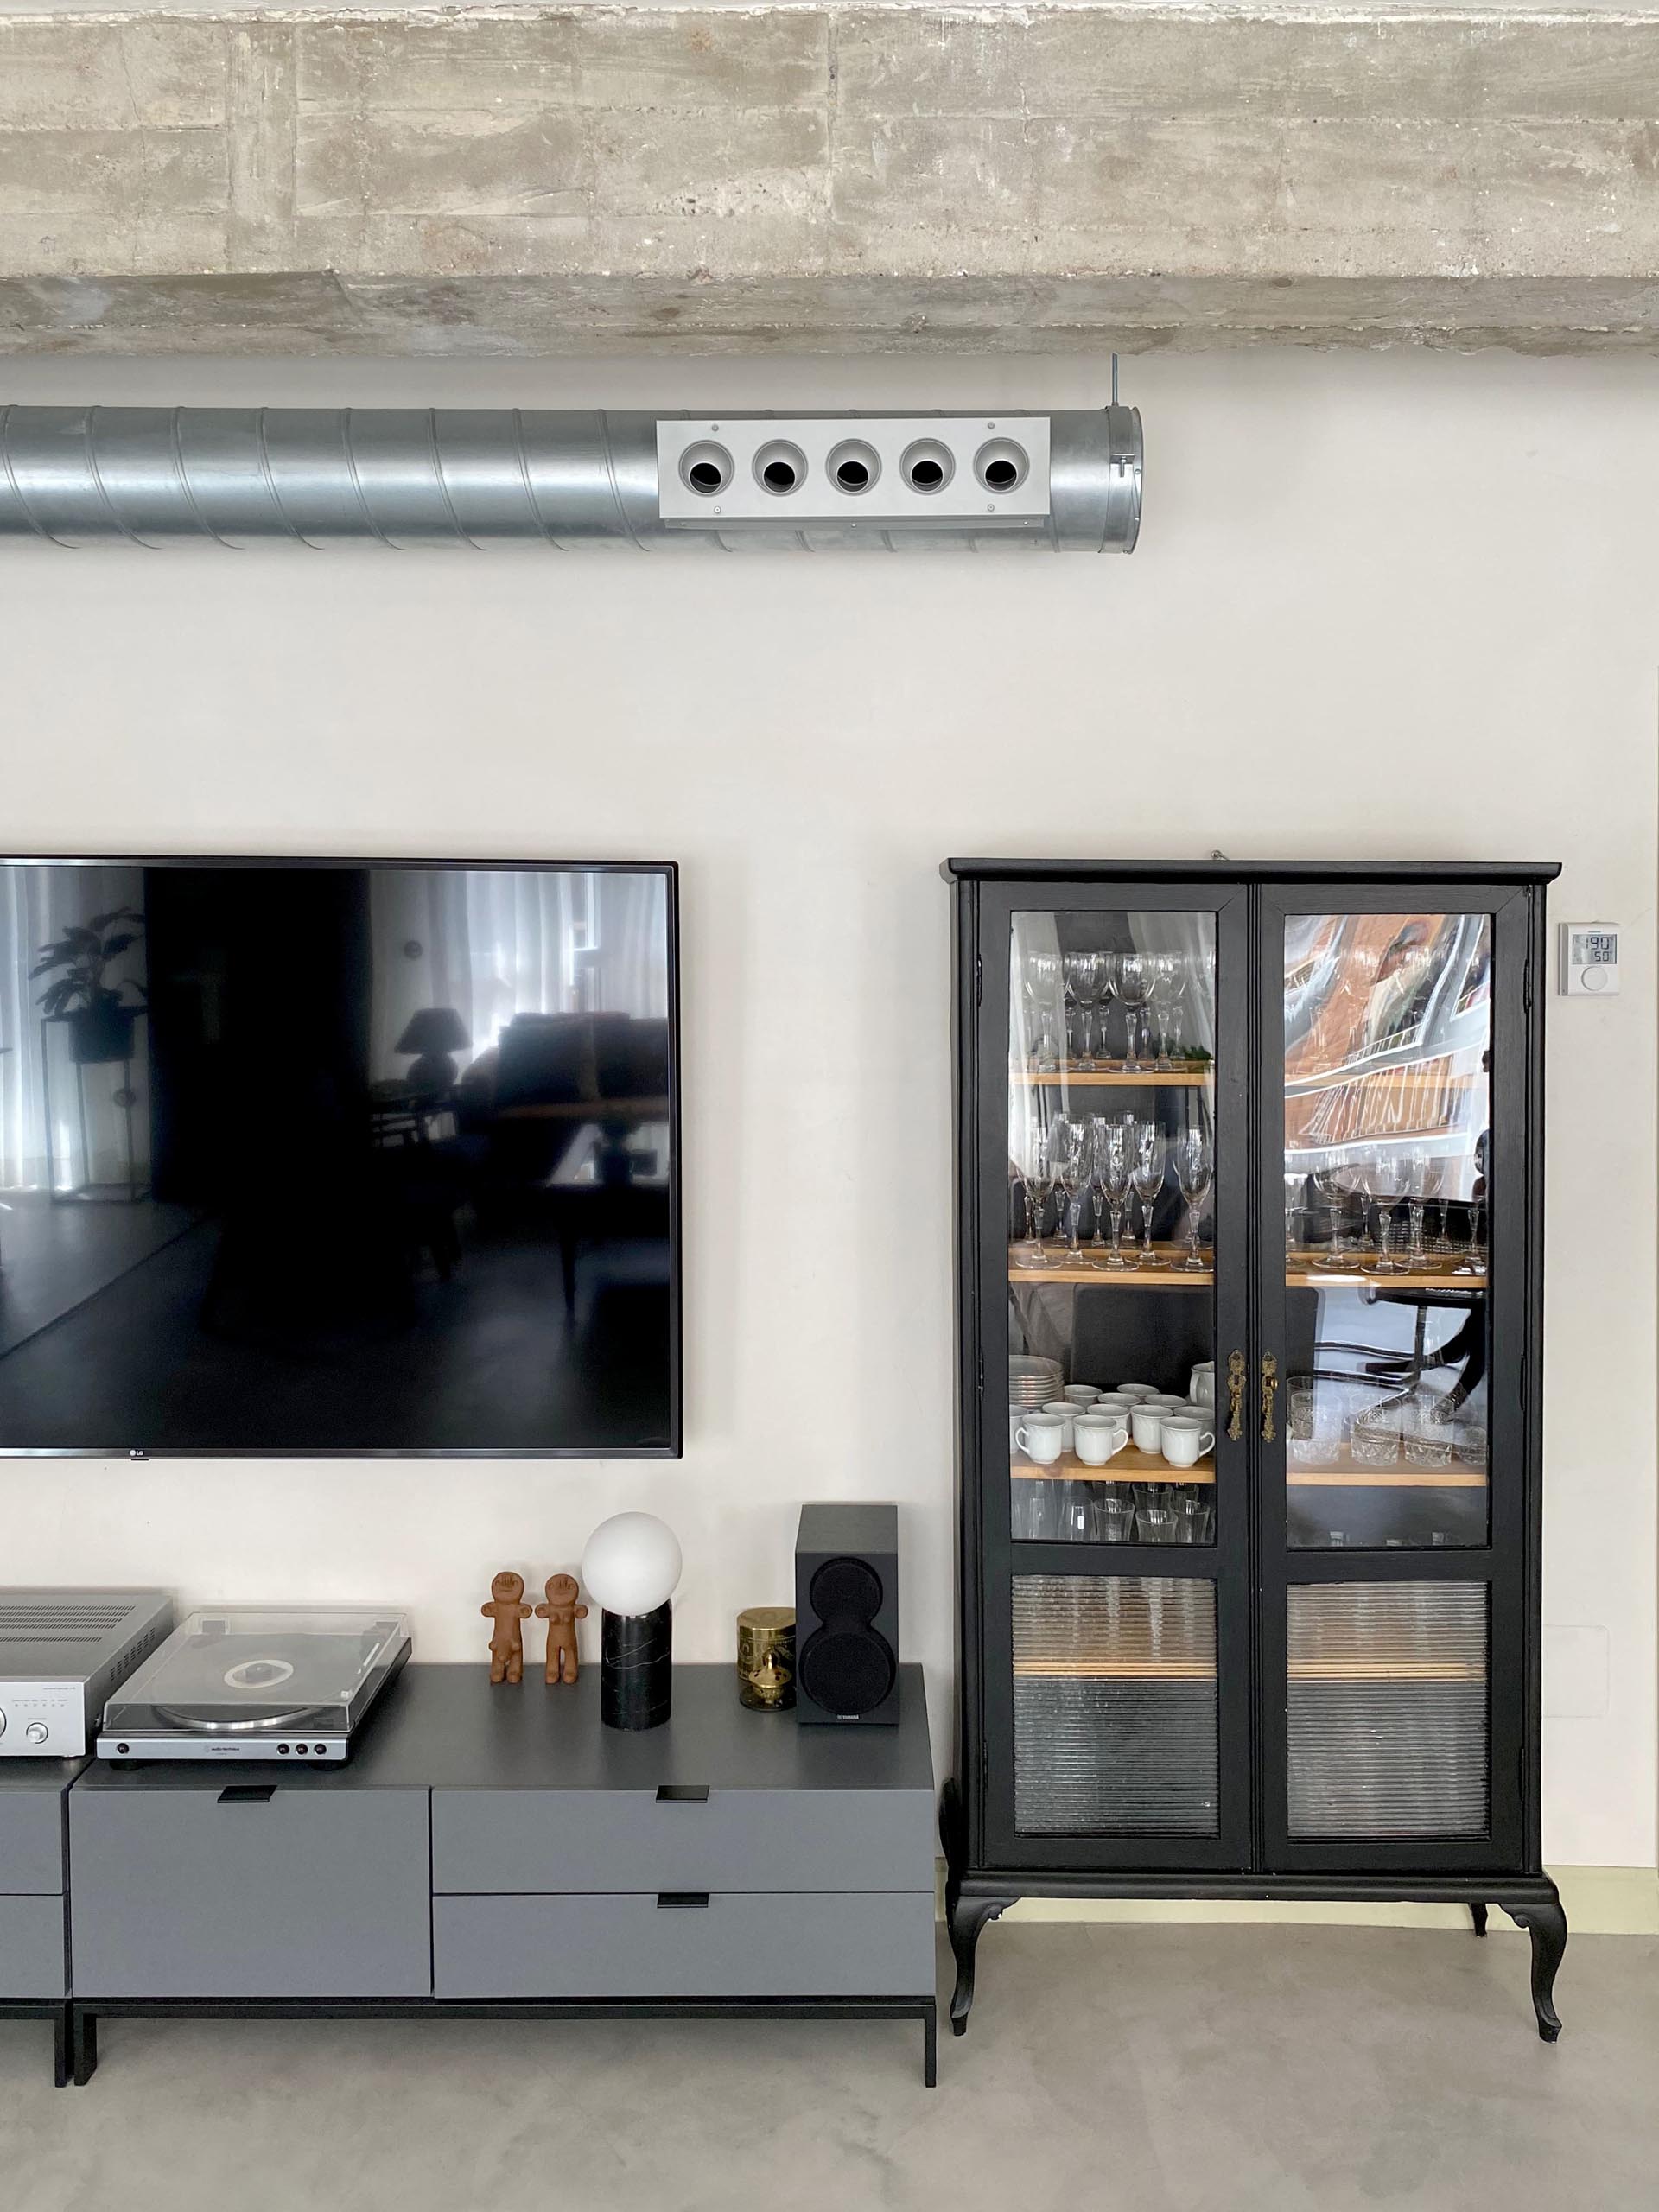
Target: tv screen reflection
(338,1158)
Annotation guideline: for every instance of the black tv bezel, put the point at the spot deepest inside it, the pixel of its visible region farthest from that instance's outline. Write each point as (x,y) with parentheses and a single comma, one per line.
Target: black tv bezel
(670,871)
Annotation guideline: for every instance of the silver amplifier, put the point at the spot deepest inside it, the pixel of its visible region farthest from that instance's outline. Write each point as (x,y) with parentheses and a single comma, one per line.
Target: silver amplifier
(61,1653)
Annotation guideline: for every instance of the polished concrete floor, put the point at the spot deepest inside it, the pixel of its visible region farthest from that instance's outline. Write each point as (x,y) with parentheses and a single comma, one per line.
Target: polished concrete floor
(1154,2068)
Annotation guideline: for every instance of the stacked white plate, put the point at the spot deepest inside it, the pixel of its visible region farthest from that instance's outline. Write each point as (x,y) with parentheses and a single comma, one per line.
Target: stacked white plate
(1033,1381)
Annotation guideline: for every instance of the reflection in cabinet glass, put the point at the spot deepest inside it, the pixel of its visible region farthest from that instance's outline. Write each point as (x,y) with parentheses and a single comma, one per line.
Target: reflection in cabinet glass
(1248,1163)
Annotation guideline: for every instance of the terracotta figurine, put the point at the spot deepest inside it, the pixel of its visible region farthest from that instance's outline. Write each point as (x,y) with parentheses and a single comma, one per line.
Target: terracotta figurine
(508,1612)
(562,1612)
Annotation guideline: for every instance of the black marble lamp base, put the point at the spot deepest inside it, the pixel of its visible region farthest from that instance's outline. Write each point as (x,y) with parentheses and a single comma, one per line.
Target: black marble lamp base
(636,1679)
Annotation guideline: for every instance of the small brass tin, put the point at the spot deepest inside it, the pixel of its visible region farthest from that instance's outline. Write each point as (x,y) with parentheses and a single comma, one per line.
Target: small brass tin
(765,1657)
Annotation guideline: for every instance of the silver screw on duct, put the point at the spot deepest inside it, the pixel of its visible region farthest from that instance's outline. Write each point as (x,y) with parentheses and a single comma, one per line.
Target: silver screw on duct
(153,476)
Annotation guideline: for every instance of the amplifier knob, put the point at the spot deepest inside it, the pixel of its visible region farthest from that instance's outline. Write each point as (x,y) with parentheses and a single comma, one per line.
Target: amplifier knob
(37,1732)
(2,1719)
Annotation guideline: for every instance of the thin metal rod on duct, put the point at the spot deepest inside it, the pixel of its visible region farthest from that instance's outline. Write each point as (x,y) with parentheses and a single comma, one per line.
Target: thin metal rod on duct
(404,477)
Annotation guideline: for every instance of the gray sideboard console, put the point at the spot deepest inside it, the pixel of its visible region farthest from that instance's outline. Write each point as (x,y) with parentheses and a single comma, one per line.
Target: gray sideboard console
(496,1852)
(33,1954)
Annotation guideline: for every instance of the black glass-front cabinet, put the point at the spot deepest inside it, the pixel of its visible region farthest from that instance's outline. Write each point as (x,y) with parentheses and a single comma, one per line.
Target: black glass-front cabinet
(1248,1172)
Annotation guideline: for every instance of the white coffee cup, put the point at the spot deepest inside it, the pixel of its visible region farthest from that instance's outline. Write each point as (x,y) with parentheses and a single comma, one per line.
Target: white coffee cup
(1098,1439)
(1113,1402)
(1172,1399)
(1185,1440)
(1137,1390)
(1147,1422)
(1065,1414)
(1080,1393)
(1041,1437)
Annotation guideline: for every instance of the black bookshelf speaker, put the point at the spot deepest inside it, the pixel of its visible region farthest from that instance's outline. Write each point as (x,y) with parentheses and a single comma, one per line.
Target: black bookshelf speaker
(847,1615)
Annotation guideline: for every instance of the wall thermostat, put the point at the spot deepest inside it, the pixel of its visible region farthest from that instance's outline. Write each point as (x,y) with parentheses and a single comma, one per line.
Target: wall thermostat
(1589,960)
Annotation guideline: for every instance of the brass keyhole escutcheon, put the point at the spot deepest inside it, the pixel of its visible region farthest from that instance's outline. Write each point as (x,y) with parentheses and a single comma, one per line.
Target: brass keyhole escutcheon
(1235,1395)
(1269,1385)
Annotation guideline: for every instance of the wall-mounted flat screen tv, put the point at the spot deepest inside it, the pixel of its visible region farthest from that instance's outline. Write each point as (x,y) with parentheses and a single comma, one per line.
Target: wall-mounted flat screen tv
(339,1157)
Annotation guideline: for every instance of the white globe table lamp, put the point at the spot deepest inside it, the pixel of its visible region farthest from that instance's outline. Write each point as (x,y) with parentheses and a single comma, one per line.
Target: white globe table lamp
(631,1565)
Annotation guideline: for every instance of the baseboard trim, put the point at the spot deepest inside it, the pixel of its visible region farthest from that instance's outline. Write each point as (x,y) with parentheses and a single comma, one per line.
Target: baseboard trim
(1599,1900)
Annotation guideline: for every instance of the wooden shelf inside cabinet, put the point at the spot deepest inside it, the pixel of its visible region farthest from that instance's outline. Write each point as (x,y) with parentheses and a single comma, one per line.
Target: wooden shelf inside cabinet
(1128,1465)
(1168,1275)
(1113,1078)
(1346,1473)
(1130,1665)
(1124,1666)
(1308,1271)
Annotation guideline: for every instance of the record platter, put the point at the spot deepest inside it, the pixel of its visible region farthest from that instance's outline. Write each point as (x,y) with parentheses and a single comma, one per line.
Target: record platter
(257,1683)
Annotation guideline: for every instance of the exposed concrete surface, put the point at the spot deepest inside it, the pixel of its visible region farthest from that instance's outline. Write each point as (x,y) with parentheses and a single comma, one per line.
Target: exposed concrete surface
(1169,2070)
(814,178)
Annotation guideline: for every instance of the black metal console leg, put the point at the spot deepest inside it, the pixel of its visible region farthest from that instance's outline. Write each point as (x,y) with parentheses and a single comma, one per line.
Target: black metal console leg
(60,2048)
(83,2043)
(930,2047)
(1546,1925)
(967,1917)
(1477,1913)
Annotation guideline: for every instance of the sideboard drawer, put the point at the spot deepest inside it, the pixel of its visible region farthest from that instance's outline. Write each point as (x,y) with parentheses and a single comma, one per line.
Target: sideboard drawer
(311,1893)
(31,1947)
(530,1841)
(771,1945)
(31,1842)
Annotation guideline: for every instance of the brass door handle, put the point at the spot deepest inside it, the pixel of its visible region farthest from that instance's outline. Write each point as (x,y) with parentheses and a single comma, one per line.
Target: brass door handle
(1270,1386)
(1235,1395)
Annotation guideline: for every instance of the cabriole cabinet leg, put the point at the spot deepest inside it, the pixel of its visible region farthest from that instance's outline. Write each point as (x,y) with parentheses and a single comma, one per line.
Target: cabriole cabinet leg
(1546,1925)
(968,1916)
(1477,1913)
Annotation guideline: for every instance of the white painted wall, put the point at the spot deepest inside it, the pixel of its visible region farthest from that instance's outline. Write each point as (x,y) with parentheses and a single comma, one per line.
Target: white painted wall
(1384,605)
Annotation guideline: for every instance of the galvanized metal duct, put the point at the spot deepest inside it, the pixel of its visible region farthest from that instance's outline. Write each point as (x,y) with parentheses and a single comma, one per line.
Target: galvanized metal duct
(463,476)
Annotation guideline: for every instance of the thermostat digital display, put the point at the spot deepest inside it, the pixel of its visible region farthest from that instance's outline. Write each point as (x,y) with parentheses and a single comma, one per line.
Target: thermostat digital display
(1589,960)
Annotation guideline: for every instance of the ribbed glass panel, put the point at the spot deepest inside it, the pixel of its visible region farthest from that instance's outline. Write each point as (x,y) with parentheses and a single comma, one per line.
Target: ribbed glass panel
(1114,1706)
(1388,1709)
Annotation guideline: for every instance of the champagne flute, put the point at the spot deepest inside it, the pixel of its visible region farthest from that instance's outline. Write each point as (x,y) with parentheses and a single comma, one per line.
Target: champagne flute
(1114,1169)
(1097,1123)
(1146,1174)
(1428,1174)
(1385,1177)
(1195,1171)
(1039,1180)
(1043,985)
(1168,989)
(1134,984)
(1082,992)
(1068,1164)
(1107,992)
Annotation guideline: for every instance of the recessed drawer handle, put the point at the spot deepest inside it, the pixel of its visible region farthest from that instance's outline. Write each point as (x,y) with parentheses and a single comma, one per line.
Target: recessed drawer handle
(682,1900)
(683,1793)
(248,1792)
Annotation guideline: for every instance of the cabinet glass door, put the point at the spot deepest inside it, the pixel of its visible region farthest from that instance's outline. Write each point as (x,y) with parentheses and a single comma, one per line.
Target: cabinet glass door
(1388,1397)
(1114,1168)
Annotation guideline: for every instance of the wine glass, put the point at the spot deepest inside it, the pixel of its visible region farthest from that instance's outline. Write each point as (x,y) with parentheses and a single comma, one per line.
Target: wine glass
(1295,1202)
(1134,986)
(1146,1174)
(1082,971)
(1168,989)
(1069,1163)
(1335,1186)
(1195,1171)
(1042,984)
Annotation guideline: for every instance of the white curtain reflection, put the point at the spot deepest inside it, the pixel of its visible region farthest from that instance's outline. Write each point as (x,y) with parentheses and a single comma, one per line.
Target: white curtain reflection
(36,905)
(493,943)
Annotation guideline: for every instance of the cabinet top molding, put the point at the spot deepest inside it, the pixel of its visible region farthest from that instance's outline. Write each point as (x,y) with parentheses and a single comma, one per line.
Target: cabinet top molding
(1245,871)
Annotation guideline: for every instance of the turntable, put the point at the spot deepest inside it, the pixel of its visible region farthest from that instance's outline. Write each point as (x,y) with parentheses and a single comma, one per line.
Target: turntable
(257,1683)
